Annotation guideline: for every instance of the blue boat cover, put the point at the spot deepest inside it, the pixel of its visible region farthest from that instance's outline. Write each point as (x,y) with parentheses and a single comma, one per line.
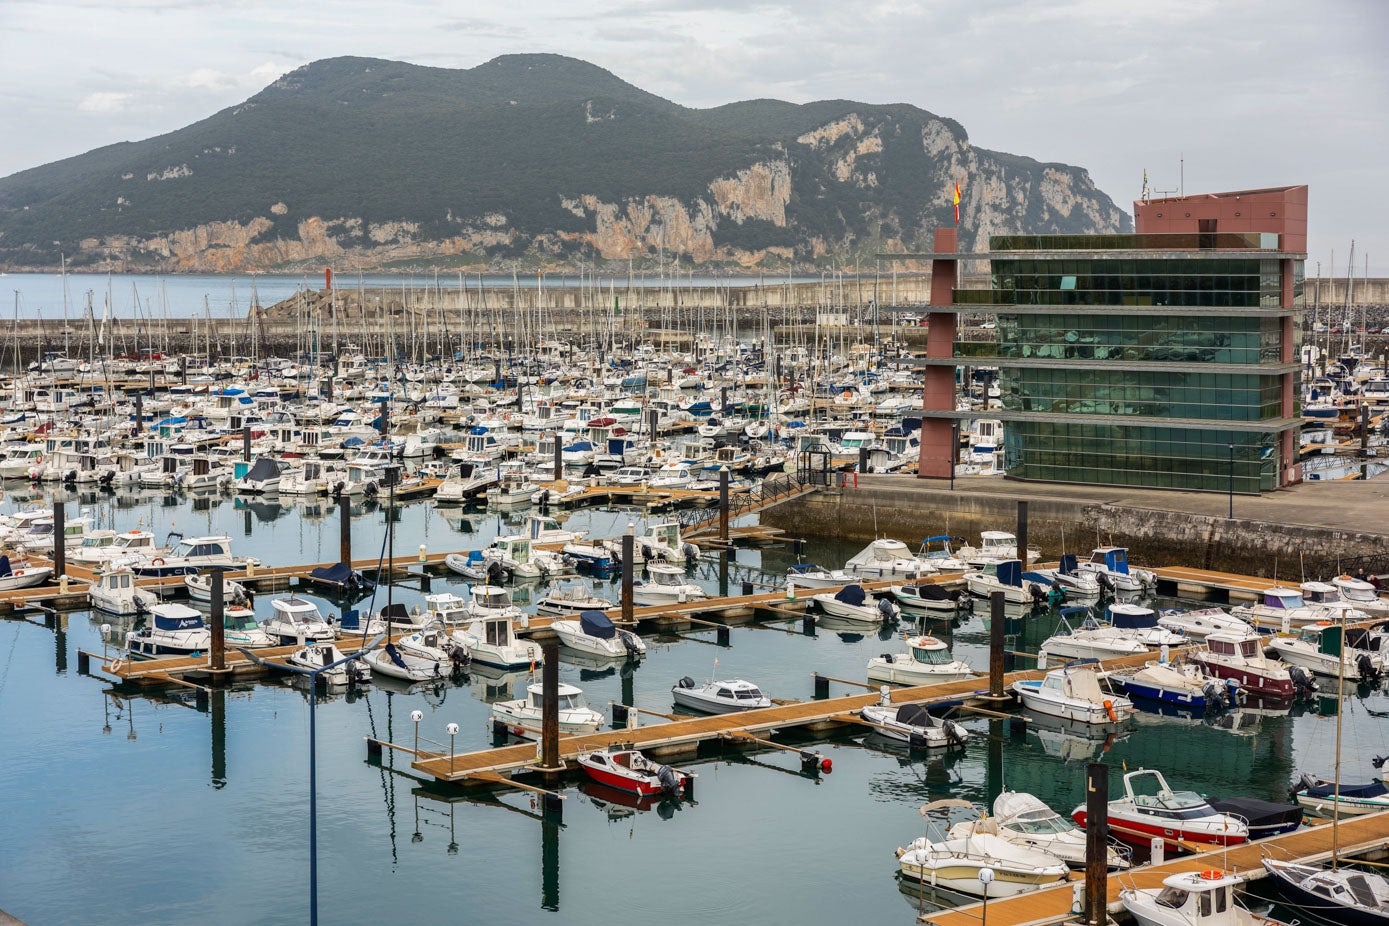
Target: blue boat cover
(851,594)
(1372,789)
(188,622)
(5,567)
(794,567)
(1127,619)
(1037,577)
(596,624)
(341,574)
(394,655)
(1068,613)
(939,538)
(1068,564)
(1009,572)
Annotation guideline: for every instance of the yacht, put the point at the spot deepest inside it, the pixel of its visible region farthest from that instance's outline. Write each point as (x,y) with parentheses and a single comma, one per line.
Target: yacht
(193,555)
(523,716)
(725,697)
(294,619)
(174,630)
(886,558)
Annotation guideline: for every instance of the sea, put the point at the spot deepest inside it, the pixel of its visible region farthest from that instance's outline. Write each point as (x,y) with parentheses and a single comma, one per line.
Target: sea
(130,807)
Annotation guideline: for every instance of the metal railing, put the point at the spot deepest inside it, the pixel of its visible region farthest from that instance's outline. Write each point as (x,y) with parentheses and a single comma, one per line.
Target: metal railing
(772,489)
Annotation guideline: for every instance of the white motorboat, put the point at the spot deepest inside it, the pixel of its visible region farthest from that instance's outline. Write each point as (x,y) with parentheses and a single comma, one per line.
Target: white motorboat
(886,558)
(921,598)
(926,661)
(1068,576)
(1024,820)
(914,725)
(1320,648)
(200,589)
(473,566)
(520,560)
(22,576)
(852,603)
(956,862)
(994,547)
(491,641)
(1180,685)
(294,619)
(725,697)
(193,554)
(316,655)
(1111,567)
(173,630)
(666,585)
(493,601)
(1338,895)
(1202,622)
(241,630)
(1283,609)
(115,592)
(1141,624)
(1327,798)
(523,716)
(262,478)
(567,602)
(407,665)
(1073,693)
(809,575)
(1090,640)
(1204,897)
(594,633)
(1361,595)
(1018,587)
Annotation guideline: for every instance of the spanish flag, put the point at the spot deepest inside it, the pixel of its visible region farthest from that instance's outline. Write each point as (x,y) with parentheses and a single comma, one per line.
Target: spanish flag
(957,202)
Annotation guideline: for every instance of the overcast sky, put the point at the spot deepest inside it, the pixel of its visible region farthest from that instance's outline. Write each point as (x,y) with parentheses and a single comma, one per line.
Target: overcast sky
(1251,92)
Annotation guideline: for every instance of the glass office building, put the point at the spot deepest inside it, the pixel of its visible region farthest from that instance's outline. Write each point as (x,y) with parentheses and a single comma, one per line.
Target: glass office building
(1159,359)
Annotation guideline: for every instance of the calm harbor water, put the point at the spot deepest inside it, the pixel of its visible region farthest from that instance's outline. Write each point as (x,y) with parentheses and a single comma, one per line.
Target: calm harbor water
(139,809)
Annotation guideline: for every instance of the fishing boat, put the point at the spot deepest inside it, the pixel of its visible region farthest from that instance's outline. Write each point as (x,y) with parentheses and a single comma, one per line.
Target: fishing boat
(115,592)
(1149,808)
(1192,897)
(1322,648)
(852,603)
(491,641)
(666,585)
(1023,819)
(523,716)
(594,633)
(294,619)
(725,697)
(1283,609)
(956,862)
(631,771)
(1239,656)
(1073,693)
(926,661)
(174,630)
(914,725)
(241,630)
(1110,565)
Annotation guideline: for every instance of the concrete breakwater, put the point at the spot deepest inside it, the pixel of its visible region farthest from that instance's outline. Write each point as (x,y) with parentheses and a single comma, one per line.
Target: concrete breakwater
(1314,526)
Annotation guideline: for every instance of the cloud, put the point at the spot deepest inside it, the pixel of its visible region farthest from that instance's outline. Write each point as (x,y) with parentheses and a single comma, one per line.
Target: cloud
(216,81)
(105,101)
(487,28)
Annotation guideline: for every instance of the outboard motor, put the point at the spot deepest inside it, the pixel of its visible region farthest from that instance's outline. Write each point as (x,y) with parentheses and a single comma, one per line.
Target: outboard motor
(496,573)
(887,609)
(690,552)
(686,682)
(670,781)
(1305,782)
(1368,671)
(630,644)
(1039,596)
(1106,583)
(1215,695)
(1302,680)
(955,733)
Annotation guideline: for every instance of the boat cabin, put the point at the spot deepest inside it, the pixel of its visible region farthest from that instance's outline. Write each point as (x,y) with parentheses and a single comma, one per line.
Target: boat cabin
(1283,599)
(1115,559)
(1199,896)
(1235,645)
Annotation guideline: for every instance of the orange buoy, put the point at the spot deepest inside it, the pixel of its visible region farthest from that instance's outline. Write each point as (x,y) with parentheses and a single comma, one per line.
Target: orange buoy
(1109,709)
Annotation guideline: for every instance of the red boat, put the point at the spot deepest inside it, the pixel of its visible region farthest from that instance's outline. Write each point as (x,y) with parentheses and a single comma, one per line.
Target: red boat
(628,770)
(1183,819)
(1239,655)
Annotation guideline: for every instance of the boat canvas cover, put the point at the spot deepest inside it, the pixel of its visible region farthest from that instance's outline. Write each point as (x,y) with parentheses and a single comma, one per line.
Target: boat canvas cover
(395,613)
(596,624)
(5,567)
(1132,617)
(1009,572)
(394,655)
(933,592)
(184,619)
(1260,813)
(851,595)
(341,574)
(1081,683)
(1355,792)
(802,567)
(915,715)
(1012,804)
(264,469)
(1068,565)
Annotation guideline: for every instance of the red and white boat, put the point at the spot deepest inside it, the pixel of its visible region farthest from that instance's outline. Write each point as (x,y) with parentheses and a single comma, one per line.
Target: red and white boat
(628,770)
(1239,655)
(1149,808)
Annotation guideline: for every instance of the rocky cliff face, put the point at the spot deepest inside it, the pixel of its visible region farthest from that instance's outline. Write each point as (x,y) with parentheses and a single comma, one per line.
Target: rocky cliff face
(563,161)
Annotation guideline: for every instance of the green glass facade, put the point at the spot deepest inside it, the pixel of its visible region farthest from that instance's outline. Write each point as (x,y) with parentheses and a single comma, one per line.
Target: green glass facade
(1128,379)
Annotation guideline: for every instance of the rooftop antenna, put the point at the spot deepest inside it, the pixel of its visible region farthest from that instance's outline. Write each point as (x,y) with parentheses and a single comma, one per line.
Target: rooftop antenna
(1182,176)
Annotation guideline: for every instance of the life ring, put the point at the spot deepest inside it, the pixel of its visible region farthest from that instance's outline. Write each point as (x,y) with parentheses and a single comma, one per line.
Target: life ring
(157,561)
(1212,874)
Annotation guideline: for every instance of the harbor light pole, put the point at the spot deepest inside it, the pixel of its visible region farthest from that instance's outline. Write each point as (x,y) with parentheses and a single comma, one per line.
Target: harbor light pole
(1232,482)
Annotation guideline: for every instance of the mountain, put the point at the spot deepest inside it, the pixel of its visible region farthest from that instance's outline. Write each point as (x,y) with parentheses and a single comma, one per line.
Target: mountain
(367,163)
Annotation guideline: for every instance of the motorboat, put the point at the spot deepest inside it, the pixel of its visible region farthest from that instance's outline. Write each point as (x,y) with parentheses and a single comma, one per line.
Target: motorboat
(1068,575)
(662,541)
(1023,819)
(193,555)
(520,560)
(631,771)
(1141,623)
(115,592)
(1073,693)
(923,597)
(315,656)
(809,575)
(1192,897)
(1327,798)
(200,589)
(1149,808)
(567,602)
(914,725)
(886,558)
(1351,896)
(1110,565)
(22,576)
(666,585)
(523,716)
(493,601)
(1283,609)
(594,633)
(1184,685)
(955,862)
(1323,648)
(1202,622)
(544,529)
(407,665)
(994,547)
(926,661)
(725,697)
(174,630)
(241,630)
(937,551)
(1018,587)
(588,554)
(491,641)
(1239,656)
(852,603)
(1361,595)
(445,608)
(294,620)
(475,567)
(1091,640)
(432,642)
(262,478)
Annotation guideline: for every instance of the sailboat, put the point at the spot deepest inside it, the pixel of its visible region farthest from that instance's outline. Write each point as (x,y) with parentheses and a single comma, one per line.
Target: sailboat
(1339,895)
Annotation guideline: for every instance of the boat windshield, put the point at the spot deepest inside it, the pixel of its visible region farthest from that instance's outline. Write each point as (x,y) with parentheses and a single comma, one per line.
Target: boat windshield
(1172,897)
(1352,593)
(569,702)
(1041,823)
(748,694)
(931,656)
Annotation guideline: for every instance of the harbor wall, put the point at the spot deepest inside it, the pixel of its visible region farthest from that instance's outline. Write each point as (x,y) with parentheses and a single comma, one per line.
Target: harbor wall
(1154,536)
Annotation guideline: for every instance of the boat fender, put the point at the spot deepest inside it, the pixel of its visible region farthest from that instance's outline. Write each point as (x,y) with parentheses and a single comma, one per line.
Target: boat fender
(1109,709)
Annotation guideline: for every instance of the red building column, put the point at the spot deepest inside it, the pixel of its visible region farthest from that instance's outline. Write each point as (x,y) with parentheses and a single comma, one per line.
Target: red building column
(938,444)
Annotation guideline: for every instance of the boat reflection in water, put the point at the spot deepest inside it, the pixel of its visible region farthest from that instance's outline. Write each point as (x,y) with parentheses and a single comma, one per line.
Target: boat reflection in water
(491,684)
(1074,740)
(623,804)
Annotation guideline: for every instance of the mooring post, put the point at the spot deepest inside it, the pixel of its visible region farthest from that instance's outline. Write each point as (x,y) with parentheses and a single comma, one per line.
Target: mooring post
(183,369)
(328,384)
(559,458)
(996,628)
(246,443)
(1022,534)
(653,420)
(723,504)
(219,641)
(629,543)
(60,548)
(345,529)
(549,714)
(1096,842)
(139,413)
(723,400)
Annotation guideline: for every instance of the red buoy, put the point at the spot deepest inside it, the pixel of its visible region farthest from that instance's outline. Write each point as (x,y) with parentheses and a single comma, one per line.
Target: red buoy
(826,765)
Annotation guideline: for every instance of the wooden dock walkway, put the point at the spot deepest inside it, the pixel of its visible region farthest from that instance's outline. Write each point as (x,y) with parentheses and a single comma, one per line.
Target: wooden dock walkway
(1177,580)
(1053,904)
(683,732)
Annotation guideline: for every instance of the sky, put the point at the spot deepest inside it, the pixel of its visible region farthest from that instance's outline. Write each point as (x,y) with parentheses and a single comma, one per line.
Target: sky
(1244,93)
